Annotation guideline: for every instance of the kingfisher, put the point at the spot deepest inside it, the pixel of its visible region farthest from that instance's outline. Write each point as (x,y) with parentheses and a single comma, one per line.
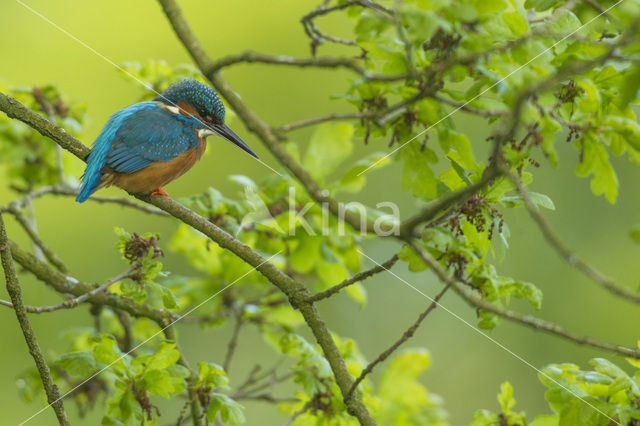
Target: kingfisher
(146,145)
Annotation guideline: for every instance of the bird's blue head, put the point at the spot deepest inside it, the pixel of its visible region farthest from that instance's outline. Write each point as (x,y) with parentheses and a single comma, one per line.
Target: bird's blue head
(200,97)
(191,97)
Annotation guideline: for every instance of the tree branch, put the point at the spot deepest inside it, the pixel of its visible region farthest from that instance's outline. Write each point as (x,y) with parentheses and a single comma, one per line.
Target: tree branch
(15,109)
(570,257)
(67,285)
(13,288)
(317,36)
(233,342)
(528,320)
(33,234)
(405,336)
(196,412)
(361,276)
(250,57)
(295,291)
(431,211)
(72,303)
(266,134)
(69,191)
(466,107)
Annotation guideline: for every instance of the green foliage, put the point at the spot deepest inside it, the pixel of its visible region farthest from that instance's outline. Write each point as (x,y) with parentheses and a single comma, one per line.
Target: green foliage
(29,158)
(158,75)
(438,56)
(100,365)
(398,399)
(506,416)
(142,250)
(595,397)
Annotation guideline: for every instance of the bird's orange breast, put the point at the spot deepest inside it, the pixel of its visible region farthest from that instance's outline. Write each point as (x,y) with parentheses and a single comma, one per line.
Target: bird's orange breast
(157,174)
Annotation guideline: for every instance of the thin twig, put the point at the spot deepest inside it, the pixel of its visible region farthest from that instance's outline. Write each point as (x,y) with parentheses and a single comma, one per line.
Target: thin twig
(197,414)
(268,398)
(49,111)
(32,221)
(233,342)
(298,413)
(14,290)
(274,379)
(530,321)
(68,285)
(69,191)
(468,108)
(361,276)
(72,303)
(432,210)
(322,119)
(329,62)
(570,257)
(33,234)
(125,322)
(597,7)
(317,36)
(405,336)
(404,38)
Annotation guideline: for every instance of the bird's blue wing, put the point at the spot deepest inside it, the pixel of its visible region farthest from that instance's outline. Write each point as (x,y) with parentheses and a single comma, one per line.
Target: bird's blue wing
(132,139)
(148,136)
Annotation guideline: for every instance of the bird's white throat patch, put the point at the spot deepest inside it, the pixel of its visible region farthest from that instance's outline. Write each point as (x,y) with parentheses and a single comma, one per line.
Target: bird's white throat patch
(203,133)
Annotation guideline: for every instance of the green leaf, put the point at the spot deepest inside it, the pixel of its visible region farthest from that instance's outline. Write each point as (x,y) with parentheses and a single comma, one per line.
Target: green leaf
(634,233)
(169,299)
(538,199)
(547,420)
(505,397)
(516,23)
(541,5)
(307,252)
(403,399)
(630,87)
(78,364)
(416,264)
(165,356)
(458,148)
(244,181)
(595,162)
(417,175)
(106,351)
(166,382)
(352,181)
(123,409)
(212,375)
(230,411)
(329,146)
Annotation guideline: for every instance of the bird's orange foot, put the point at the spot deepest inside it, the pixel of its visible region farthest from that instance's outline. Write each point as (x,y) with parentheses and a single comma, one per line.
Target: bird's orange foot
(159,191)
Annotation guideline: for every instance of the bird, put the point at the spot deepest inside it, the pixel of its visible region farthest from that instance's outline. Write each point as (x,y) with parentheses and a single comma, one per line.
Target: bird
(146,145)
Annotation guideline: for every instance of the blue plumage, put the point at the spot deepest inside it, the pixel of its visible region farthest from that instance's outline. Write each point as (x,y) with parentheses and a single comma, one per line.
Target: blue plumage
(156,133)
(202,98)
(151,134)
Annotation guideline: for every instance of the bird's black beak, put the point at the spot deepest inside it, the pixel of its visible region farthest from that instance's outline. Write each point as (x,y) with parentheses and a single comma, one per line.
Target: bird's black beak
(224,131)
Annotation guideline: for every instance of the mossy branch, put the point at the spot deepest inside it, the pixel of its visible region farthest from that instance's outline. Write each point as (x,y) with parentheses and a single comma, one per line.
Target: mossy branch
(536,323)
(15,292)
(296,293)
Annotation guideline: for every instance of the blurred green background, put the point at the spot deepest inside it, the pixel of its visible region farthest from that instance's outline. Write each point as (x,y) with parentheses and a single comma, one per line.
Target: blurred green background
(467,368)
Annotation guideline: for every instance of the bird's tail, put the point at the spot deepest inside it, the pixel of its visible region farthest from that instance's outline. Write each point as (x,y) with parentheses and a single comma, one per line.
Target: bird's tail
(92,178)
(90,184)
